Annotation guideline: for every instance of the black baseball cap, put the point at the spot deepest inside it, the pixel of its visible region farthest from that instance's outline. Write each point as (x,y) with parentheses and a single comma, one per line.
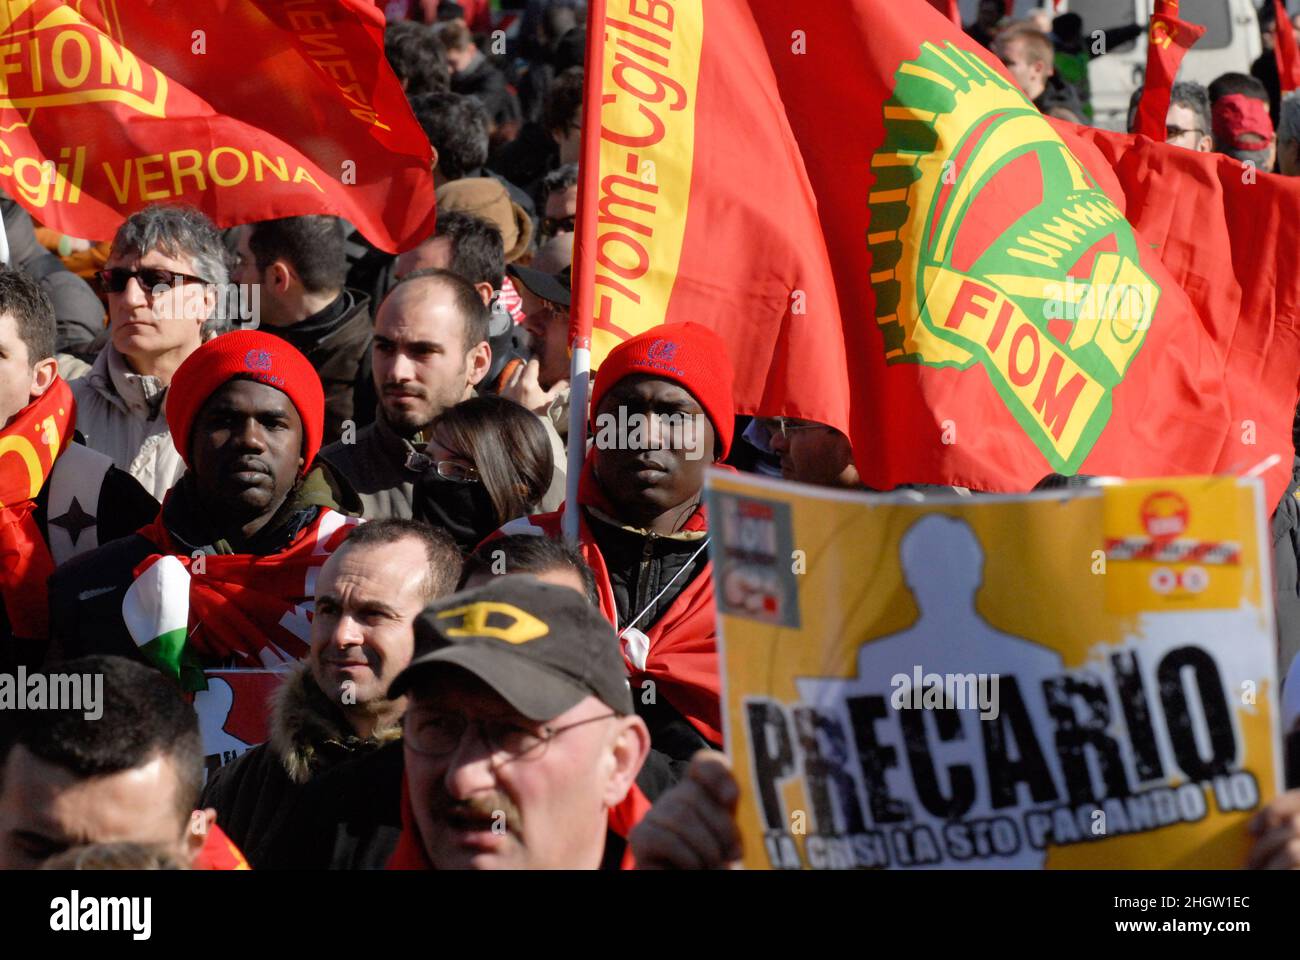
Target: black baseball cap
(554,287)
(542,647)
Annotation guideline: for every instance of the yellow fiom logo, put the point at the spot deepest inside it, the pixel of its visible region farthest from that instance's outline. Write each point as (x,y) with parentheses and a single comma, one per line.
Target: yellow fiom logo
(992,247)
(55,55)
(502,621)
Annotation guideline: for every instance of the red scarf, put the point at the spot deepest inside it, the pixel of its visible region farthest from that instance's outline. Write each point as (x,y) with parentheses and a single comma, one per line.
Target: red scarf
(240,603)
(35,439)
(219,853)
(683,657)
(409,854)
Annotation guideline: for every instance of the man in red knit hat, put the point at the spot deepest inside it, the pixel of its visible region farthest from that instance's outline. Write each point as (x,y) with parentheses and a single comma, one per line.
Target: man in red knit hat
(225,573)
(661,412)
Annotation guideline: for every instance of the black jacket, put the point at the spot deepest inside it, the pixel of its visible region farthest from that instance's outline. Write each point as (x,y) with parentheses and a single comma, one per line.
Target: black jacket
(347,818)
(257,796)
(641,568)
(86,593)
(337,342)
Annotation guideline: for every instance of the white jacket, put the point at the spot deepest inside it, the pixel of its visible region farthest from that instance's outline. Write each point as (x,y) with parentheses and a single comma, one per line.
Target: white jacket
(123,415)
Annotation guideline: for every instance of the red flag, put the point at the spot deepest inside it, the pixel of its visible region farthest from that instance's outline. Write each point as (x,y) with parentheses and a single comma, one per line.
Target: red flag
(1168,40)
(949,9)
(1284,49)
(949,279)
(248,110)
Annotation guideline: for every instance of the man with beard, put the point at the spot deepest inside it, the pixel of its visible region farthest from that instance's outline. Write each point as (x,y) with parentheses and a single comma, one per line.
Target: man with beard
(334,708)
(58,498)
(218,578)
(662,412)
(430,350)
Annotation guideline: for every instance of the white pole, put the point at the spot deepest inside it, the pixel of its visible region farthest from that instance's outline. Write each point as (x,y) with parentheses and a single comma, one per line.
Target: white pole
(4,243)
(579,377)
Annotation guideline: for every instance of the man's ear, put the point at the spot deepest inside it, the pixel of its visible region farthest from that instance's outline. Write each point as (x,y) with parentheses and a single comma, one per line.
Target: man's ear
(281,276)
(627,754)
(196,833)
(43,375)
(480,360)
(485,291)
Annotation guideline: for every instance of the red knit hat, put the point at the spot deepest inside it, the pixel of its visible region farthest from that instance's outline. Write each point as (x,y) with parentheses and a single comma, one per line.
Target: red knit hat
(689,354)
(249,355)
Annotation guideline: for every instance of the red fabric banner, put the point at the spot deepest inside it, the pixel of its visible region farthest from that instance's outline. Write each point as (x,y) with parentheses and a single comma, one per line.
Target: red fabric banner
(1168,40)
(1284,49)
(949,279)
(248,110)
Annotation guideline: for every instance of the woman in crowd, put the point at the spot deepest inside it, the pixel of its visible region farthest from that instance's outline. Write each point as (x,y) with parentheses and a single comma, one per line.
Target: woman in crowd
(488,461)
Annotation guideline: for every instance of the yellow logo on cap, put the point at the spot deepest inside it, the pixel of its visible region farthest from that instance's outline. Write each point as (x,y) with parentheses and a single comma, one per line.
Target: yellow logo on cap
(522,628)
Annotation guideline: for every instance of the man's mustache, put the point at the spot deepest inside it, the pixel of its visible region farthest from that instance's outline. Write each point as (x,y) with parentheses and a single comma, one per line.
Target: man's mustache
(491,808)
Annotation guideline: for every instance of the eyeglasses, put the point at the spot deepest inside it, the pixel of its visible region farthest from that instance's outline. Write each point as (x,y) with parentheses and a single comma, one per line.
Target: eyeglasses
(116,279)
(553,225)
(787,425)
(1173,132)
(439,734)
(453,470)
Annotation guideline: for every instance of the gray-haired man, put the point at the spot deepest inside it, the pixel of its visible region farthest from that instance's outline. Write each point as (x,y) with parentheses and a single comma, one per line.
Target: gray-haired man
(163,279)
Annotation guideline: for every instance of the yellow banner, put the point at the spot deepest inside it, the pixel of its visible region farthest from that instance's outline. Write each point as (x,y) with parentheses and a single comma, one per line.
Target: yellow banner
(649,78)
(1030,682)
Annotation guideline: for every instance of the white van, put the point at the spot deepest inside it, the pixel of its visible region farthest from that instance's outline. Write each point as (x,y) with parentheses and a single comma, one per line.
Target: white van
(1231,44)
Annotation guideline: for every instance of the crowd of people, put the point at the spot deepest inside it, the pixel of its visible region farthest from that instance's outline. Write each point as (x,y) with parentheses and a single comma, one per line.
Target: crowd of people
(386,447)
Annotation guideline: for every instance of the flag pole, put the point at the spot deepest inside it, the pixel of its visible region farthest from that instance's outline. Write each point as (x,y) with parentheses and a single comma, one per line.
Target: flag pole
(581,309)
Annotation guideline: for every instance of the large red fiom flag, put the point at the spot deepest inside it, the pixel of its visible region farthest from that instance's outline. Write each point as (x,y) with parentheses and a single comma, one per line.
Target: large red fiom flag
(247,109)
(894,242)
(1168,40)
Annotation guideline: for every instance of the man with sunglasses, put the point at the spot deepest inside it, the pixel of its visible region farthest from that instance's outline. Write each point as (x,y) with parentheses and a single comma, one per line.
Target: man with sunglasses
(521,743)
(162,278)
(560,187)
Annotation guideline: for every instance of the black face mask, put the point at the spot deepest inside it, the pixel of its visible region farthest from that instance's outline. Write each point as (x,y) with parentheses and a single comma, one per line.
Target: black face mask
(465,510)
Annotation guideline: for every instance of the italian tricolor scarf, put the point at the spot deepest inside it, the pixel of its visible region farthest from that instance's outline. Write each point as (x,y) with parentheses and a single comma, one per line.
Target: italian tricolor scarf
(186,611)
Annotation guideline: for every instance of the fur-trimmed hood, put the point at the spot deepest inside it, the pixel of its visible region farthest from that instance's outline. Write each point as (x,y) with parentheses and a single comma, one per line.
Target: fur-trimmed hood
(309,731)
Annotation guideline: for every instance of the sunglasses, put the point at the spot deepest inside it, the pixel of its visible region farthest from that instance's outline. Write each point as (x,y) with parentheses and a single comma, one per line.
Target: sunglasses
(553,225)
(116,279)
(1173,133)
